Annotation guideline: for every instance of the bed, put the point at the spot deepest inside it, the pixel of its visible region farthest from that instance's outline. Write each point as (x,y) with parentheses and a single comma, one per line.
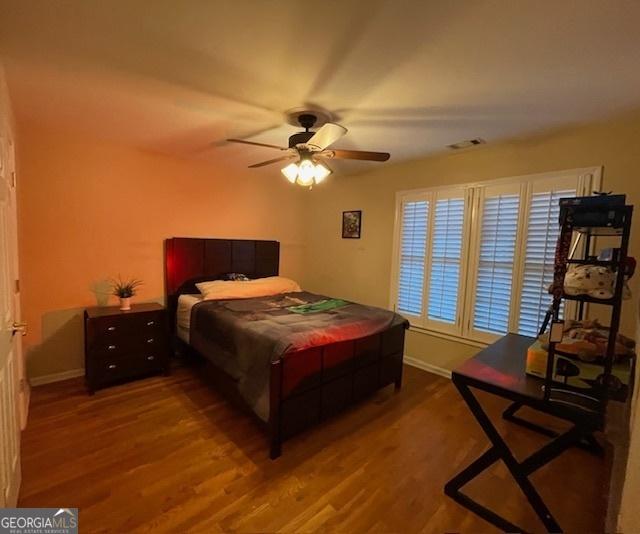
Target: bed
(290,370)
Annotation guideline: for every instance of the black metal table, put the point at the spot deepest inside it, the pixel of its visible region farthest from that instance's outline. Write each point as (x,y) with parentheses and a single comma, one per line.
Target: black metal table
(500,370)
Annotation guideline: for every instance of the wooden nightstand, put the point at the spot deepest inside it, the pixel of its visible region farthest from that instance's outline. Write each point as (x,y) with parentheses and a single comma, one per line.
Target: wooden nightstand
(123,345)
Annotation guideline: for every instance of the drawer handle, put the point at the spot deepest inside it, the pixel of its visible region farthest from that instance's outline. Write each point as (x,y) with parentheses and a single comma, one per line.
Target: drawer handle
(111,328)
(112,366)
(150,323)
(151,358)
(150,340)
(111,347)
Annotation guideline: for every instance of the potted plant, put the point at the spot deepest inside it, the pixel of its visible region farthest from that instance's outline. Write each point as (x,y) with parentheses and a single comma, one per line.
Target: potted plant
(125,290)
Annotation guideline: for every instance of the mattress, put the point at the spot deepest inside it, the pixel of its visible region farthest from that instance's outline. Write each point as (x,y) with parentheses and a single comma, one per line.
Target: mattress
(183,315)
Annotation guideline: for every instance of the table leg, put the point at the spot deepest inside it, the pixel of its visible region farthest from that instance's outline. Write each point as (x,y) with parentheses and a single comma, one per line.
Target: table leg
(452,489)
(500,450)
(551,450)
(588,443)
(510,415)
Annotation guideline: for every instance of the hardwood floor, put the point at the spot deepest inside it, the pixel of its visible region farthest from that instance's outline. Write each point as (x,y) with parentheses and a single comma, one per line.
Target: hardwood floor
(167,454)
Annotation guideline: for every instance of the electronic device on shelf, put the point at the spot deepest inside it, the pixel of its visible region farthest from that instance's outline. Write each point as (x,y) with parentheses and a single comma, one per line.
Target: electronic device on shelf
(596,211)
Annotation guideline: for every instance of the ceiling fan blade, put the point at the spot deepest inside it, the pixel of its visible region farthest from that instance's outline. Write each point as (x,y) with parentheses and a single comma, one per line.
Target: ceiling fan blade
(356,154)
(222,142)
(256,144)
(270,161)
(327,135)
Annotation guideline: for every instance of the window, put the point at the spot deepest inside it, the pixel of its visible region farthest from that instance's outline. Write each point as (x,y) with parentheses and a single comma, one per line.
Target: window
(475,261)
(430,257)
(496,255)
(412,256)
(446,256)
(542,234)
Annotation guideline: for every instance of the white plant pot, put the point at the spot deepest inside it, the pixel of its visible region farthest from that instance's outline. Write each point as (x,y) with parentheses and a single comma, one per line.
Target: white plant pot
(125,303)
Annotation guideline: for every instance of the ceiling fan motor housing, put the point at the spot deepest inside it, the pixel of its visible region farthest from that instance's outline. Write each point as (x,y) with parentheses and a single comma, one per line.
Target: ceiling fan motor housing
(306,120)
(299,138)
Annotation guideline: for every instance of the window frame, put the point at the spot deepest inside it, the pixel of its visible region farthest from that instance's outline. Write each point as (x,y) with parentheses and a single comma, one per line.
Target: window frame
(587,180)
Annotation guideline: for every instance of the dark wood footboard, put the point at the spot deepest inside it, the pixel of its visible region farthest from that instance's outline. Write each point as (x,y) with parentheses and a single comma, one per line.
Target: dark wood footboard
(311,385)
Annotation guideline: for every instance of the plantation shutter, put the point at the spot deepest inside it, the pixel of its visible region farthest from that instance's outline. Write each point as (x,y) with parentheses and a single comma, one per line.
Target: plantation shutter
(413,246)
(539,251)
(446,256)
(499,207)
(475,261)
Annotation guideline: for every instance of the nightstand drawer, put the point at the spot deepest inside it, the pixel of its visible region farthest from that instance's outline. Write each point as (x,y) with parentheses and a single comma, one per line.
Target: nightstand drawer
(109,328)
(107,370)
(124,344)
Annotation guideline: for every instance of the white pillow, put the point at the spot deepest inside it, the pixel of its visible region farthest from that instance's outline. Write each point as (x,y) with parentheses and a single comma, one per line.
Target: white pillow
(260,287)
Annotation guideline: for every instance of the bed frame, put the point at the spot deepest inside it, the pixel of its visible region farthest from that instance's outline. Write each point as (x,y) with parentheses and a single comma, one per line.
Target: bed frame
(306,386)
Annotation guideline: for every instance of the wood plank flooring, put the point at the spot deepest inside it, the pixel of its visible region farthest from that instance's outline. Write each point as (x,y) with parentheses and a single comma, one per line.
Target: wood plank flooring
(168,454)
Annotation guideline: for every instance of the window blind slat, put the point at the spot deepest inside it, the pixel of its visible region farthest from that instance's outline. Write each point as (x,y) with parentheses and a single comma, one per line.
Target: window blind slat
(495,263)
(413,244)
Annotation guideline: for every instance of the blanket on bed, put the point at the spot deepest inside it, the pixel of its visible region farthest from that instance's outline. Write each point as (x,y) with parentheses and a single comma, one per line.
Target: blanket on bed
(244,336)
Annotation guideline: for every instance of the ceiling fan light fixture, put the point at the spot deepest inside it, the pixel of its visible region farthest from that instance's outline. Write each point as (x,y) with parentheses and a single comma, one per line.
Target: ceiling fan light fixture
(306,172)
(291,172)
(321,172)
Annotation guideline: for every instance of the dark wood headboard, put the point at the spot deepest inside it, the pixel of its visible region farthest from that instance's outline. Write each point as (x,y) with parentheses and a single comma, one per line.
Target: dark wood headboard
(188,260)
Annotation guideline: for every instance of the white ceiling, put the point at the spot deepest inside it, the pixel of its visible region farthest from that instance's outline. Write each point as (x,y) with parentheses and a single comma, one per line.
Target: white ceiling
(408,77)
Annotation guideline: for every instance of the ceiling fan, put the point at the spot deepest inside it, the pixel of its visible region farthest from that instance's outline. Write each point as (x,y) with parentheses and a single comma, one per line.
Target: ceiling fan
(310,149)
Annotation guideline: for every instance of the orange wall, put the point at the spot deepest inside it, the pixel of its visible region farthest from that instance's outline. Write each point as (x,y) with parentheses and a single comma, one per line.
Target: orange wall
(89,211)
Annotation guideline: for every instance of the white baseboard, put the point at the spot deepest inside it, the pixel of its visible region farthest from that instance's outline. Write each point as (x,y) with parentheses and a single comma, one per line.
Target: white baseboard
(56,377)
(430,368)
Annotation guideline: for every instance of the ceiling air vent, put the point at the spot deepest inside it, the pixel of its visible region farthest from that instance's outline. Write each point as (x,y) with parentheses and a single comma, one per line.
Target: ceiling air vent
(467,143)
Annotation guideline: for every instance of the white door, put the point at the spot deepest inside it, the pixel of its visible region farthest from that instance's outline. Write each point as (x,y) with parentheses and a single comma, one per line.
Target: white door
(12,395)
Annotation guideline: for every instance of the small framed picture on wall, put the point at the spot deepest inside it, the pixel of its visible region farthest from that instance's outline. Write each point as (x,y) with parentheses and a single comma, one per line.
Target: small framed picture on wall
(351,224)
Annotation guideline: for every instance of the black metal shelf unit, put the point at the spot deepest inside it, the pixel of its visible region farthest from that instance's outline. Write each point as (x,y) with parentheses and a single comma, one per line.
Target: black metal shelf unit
(610,217)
